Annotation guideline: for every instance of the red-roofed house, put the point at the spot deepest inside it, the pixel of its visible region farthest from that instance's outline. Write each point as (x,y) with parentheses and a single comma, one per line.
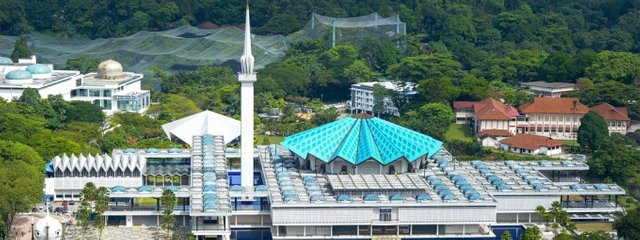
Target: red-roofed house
(532,144)
(491,119)
(464,111)
(617,118)
(558,118)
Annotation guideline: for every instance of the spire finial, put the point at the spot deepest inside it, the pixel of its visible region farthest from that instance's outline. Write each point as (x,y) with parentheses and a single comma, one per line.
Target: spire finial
(247,60)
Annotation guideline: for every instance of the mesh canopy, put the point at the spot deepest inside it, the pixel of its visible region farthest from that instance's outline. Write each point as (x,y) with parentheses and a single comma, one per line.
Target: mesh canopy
(354,30)
(183,48)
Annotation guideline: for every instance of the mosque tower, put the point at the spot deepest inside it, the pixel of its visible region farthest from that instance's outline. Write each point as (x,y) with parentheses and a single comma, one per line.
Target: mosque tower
(247,77)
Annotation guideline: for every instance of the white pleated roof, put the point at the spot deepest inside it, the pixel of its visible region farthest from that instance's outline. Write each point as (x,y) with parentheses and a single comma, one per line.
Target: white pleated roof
(205,122)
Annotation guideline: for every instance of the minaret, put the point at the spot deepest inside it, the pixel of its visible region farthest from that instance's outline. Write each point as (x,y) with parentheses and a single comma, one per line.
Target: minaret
(246,77)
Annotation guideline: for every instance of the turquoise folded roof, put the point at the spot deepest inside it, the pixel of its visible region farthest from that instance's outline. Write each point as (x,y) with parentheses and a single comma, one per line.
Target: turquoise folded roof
(358,139)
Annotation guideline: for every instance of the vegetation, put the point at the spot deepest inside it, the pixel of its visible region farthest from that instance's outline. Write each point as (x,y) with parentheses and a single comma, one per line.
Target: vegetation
(93,203)
(557,215)
(459,132)
(531,233)
(21,181)
(168,220)
(20,49)
(628,225)
(506,236)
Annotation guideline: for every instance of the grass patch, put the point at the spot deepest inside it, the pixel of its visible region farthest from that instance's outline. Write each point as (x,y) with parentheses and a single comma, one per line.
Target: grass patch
(270,139)
(595,226)
(459,132)
(573,143)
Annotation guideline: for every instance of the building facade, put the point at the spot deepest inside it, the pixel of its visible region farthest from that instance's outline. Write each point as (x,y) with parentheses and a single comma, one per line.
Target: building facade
(363,100)
(617,118)
(110,87)
(549,89)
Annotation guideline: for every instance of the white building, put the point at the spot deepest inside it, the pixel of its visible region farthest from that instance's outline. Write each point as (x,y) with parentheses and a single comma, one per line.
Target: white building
(549,89)
(531,144)
(362,99)
(617,118)
(110,88)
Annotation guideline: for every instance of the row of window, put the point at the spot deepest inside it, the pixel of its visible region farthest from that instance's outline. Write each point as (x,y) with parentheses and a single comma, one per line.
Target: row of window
(99,173)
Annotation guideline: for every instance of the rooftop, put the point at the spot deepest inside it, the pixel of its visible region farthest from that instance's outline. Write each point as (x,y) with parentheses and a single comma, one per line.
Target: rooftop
(555,106)
(358,139)
(549,85)
(205,122)
(530,142)
(611,113)
(491,109)
(495,133)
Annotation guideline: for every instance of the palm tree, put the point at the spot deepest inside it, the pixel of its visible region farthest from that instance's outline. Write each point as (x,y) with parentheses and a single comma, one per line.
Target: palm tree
(543,213)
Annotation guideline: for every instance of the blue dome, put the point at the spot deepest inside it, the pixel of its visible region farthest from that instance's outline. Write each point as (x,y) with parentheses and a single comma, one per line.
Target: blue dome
(5,60)
(18,75)
(38,69)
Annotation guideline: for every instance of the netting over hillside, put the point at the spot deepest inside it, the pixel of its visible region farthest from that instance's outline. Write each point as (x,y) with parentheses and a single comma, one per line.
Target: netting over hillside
(352,30)
(183,48)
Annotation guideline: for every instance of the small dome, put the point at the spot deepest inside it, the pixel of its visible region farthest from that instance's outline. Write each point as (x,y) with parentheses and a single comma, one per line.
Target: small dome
(38,69)
(5,60)
(109,70)
(18,75)
(54,228)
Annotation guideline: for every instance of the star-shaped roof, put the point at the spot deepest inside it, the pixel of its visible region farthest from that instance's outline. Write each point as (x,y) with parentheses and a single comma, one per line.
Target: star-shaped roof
(358,139)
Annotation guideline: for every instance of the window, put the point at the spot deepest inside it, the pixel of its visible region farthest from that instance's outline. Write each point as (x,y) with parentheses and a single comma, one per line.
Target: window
(106,93)
(94,93)
(78,82)
(385,214)
(106,104)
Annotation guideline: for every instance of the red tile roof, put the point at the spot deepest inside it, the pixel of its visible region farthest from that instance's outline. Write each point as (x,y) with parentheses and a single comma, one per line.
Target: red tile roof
(491,109)
(611,113)
(463,104)
(555,106)
(494,133)
(531,142)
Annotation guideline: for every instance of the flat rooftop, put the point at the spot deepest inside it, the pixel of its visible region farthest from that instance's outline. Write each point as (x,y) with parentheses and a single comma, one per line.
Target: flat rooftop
(91,80)
(443,182)
(550,85)
(56,77)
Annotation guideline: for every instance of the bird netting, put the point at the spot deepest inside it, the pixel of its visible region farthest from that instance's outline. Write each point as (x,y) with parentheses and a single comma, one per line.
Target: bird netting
(354,30)
(183,48)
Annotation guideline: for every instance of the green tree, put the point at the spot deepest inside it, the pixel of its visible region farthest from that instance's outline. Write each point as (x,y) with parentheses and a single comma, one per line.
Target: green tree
(168,220)
(615,66)
(431,119)
(84,64)
(21,49)
(558,67)
(415,69)
(101,204)
(531,233)
(173,107)
(325,116)
(81,111)
(506,236)
(542,212)
(438,90)
(593,131)
(628,225)
(21,180)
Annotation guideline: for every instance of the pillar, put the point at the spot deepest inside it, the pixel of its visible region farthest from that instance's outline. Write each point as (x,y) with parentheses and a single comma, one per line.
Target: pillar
(333,33)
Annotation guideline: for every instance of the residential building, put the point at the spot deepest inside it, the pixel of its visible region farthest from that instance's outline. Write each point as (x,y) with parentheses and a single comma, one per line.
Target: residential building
(110,87)
(464,112)
(617,118)
(491,114)
(531,144)
(549,89)
(558,118)
(492,138)
(363,100)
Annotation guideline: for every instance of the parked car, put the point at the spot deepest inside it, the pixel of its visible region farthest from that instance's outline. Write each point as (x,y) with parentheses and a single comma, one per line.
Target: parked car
(65,203)
(58,210)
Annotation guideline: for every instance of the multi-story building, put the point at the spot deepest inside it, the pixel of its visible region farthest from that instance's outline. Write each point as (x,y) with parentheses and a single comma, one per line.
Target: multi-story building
(549,89)
(363,100)
(110,87)
(558,118)
(617,118)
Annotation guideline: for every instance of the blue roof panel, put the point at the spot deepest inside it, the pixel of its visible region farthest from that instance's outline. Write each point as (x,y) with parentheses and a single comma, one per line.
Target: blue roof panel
(358,139)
